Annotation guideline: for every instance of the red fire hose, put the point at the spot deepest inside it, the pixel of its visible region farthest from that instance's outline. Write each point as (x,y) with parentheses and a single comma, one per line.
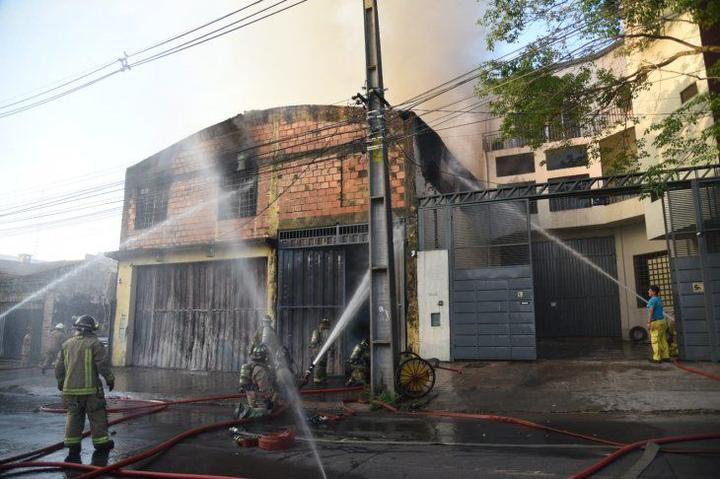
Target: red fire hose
(57,446)
(163,446)
(587,472)
(696,371)
(145,410)
(120,472)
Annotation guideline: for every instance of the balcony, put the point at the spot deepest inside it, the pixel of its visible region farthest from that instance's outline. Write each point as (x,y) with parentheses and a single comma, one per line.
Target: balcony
(494,140)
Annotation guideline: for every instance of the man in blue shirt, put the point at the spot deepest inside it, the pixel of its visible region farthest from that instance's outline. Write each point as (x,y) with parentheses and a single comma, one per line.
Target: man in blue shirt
(657,325)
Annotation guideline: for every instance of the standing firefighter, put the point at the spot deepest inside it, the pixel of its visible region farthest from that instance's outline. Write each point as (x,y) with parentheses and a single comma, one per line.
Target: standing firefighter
(359,364)
(26,348)
(81,359)
(318,339)
(257,380)
(55,342)
(657,325)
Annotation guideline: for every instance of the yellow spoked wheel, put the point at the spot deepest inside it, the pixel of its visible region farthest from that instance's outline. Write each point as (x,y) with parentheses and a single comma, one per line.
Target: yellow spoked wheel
(416,377)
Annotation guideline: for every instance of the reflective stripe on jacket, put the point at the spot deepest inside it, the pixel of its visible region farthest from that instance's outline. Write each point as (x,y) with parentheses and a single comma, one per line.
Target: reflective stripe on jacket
(81,359)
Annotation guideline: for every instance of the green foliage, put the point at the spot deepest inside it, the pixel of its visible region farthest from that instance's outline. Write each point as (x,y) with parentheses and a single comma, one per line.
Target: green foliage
(386,397)
(554,86)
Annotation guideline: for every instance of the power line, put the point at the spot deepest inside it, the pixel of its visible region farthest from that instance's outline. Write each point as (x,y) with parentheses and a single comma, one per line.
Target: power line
(125,65)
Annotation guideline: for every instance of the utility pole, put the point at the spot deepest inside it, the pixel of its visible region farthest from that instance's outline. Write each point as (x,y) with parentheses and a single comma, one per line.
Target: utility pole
(383,304)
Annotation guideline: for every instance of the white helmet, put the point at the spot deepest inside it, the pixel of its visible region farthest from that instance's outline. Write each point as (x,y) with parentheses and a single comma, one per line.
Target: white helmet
(59,326)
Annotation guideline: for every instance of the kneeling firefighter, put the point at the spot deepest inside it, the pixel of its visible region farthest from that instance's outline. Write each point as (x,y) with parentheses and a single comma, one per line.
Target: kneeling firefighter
(257,380)
(79,363)
(359,364)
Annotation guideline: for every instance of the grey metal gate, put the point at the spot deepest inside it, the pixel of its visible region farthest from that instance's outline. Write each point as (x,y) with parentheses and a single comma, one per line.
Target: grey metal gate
(197,316)
(692,217)
(570,298)
(491,311)
(311,286)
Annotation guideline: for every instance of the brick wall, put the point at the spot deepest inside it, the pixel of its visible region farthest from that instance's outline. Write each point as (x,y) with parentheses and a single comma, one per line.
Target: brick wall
(314,179)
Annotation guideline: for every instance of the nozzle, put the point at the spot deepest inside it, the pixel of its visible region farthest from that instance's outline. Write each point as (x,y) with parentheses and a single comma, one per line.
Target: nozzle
(306,378)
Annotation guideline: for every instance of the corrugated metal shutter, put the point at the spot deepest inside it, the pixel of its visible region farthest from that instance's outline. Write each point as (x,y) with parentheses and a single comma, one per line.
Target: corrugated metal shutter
(197,316)
(571,299)
(311,286)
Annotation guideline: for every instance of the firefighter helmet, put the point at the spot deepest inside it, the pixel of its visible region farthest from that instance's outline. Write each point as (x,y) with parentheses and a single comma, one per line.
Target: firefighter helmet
(60,326)
(259,353)
(324,323)
(86,323)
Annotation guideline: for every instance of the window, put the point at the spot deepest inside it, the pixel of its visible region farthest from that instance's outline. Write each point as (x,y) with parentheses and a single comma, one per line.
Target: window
(688,93)
(239,182)
(515,164)
(653,268)
(569,202)
(566,157)
(532,203)
(151,205)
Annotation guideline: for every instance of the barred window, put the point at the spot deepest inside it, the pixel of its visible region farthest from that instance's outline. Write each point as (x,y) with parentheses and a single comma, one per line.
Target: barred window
(239,181)
(557,185)
(566,157)
(151,205)
(653,269)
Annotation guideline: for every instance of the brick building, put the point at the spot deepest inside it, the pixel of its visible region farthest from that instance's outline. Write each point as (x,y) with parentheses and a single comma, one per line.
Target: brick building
(263,212)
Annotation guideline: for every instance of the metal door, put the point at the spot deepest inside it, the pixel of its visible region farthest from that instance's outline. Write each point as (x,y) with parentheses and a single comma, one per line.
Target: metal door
(571,298)
(197,316)
(311,286)
(492,312)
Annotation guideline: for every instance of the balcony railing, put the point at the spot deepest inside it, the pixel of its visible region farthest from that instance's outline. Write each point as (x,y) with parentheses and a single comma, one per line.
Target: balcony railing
(494,141)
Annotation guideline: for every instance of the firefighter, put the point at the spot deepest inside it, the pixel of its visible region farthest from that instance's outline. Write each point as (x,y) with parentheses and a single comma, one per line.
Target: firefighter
(79,363)
(359,364)
(257,381)
(317,340)
(26,348)
(55,342)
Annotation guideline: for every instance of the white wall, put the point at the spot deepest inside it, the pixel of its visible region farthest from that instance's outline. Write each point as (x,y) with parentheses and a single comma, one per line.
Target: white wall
(630,241)
(433,277)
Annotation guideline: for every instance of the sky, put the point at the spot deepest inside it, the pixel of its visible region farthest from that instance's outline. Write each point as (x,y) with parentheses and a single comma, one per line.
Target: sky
(311,54)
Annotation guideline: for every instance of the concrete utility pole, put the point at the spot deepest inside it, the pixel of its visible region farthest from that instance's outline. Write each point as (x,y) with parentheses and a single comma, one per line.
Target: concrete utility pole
(383,304)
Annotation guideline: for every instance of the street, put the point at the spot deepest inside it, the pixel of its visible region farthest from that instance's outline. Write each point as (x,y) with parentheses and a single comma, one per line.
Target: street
(370,444)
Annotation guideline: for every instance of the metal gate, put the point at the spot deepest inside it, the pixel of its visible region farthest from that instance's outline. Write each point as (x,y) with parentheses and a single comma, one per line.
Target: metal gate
(311,286)
(13,328)
(571,299)
(197,316)
(692,219)
(491,296)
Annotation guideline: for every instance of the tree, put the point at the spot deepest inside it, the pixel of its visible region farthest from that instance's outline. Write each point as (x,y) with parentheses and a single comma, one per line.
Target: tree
(556,83)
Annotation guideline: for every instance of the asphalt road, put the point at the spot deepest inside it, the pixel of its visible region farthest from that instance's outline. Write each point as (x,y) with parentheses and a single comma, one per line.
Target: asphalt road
(374,444)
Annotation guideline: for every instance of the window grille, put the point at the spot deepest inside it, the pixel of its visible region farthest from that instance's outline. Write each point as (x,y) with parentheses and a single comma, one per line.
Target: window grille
(240,176)
(653,269)
(570,202)
(151,205)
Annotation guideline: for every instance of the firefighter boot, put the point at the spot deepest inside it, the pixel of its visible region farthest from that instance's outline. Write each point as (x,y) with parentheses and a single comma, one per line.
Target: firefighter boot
(73,454)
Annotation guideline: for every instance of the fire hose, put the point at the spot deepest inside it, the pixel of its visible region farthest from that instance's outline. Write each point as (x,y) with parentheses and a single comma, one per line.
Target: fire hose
(161,405)
(696,371)
(587,472)
(156,406)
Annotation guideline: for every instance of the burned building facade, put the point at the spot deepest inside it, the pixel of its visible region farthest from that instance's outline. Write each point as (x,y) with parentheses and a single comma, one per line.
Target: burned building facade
(34,300)
(265,212)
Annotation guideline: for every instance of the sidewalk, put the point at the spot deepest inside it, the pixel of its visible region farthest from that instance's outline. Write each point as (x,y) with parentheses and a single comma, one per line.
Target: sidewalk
(574,386)
(543,386)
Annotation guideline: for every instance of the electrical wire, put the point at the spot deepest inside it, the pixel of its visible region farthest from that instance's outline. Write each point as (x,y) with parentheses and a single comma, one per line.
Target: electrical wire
(125,65)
